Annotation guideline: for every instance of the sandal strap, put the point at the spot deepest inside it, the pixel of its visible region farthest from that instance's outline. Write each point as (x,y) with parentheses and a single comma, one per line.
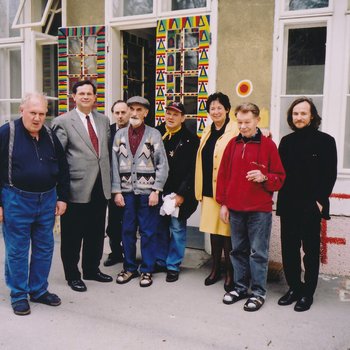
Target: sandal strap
(256,301)
(123,274)
(146,276)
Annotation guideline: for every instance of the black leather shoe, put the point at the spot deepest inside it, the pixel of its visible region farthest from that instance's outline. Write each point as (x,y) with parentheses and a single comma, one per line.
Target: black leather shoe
(303,304)
(21,307)
(110,261)
(99,277)
(159,268)
(209,281)
(77,285)
(289,298)
(172,276)
(47,299)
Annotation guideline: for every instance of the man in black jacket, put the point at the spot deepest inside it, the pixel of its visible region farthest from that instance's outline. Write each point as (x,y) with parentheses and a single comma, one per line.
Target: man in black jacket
(309,157)
(181,148)
(121,115)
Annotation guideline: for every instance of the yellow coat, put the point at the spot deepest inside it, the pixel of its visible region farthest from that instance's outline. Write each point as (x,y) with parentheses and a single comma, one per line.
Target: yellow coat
(231,131)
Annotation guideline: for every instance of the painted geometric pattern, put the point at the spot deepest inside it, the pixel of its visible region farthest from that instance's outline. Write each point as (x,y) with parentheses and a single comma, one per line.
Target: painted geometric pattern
(81,55)
(182,50)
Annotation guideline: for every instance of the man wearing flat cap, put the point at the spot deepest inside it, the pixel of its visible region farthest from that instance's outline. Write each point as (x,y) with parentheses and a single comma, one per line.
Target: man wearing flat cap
(140,170)
(181,148)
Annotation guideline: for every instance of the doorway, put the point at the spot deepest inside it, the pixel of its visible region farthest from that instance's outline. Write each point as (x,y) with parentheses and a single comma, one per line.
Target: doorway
(139,78)
(139,67)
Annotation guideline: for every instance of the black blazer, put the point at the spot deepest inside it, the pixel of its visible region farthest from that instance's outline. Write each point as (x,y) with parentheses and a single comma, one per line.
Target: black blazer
(181,152)
(309,158)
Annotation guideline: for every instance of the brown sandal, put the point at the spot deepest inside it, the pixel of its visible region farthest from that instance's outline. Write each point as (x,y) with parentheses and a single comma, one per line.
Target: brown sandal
(126,276)
(146,279)
(254,303)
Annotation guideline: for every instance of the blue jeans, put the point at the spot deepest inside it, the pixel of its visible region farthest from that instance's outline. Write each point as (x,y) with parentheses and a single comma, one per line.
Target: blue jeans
(250,236)
(171,242)
(28,221)
(137,213)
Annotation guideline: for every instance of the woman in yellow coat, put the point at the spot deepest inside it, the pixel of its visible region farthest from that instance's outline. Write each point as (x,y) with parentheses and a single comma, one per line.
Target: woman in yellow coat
(214,139)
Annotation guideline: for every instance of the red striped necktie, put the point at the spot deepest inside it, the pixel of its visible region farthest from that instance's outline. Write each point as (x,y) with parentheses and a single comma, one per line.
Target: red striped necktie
(92,134)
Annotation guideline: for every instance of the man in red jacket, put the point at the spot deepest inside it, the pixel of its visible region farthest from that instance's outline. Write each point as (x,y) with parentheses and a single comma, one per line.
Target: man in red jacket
(250,171)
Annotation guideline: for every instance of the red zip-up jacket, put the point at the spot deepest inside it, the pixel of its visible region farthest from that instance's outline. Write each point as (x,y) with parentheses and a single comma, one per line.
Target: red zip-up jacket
(234,190)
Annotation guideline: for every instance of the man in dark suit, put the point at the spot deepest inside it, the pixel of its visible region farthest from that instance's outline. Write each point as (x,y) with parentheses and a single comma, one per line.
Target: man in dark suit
(84,134)
(120,111)
(309,157)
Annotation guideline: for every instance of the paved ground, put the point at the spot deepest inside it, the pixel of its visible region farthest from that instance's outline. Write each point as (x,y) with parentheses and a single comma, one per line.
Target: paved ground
(182,315)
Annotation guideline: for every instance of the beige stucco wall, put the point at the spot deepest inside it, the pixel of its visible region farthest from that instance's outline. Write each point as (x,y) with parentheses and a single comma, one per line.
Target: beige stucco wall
(245,38)
(85,13)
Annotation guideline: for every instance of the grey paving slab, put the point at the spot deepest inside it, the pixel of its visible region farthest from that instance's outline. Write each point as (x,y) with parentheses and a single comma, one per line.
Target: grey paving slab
(181,315)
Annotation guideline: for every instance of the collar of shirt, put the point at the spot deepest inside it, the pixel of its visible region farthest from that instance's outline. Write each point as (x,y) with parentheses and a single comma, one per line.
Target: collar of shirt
(135,137)
(82,117)
(137,131)
(255,138)
(41,131)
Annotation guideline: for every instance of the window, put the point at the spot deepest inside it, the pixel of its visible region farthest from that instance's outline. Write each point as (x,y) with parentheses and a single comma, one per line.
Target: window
(182,67)
(10,83)
(306,60)
(346,160)
(48,77)
(8,11)
(81,56)
(312,40)
(36,13)
(305,68)
(123,8)
(176,5)
(18,40)
(346,137)
(292,5)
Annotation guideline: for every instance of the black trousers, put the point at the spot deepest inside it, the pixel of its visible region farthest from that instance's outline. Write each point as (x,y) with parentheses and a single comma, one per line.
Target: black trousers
(83,224)
(296,232)
(114,230)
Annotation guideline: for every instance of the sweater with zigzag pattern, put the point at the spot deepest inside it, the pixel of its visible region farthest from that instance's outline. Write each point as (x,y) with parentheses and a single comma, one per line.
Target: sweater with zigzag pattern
(144,172)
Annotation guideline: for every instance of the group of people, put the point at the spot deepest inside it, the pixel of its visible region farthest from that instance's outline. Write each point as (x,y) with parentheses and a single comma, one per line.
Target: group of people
(151,180)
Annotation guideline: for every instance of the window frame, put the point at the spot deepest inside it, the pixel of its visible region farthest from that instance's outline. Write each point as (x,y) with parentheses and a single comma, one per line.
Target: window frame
(3,117)
(30,42)
(22,8)
(114,27)
(156,14)
(345,106)
(280,58)
(326,11)
(124,19)
(336,88)
(40,40)
(182,13)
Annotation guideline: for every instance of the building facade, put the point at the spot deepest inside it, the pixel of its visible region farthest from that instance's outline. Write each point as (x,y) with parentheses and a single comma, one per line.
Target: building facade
(266,51)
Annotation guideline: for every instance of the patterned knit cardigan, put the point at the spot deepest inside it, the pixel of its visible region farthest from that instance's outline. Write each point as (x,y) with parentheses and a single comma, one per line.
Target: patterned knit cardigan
(144,172)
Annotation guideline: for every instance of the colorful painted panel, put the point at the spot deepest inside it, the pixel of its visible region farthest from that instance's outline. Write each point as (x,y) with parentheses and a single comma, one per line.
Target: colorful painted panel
(182,66)
(81,55)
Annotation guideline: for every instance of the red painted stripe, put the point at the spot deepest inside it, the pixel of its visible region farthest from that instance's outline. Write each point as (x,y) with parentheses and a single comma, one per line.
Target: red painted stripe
(336,240)
(340,195)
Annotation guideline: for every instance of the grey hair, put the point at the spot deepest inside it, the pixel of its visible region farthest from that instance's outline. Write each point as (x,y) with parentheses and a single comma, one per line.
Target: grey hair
(28,96)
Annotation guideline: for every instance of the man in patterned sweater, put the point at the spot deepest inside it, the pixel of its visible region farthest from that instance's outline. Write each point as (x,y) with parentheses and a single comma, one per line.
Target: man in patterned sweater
(140,169)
